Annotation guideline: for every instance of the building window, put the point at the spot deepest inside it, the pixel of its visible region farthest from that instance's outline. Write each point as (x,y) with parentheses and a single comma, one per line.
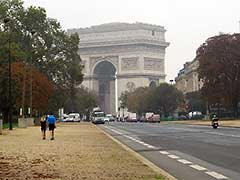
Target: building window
(153,33)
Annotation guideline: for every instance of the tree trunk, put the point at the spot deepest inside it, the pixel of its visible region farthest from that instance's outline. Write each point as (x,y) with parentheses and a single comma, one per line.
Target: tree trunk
(5,115)
(235,108)
(73,98)
(88,115)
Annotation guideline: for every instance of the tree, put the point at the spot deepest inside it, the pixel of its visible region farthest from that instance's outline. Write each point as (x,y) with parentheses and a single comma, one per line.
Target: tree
(42,89)
(85,101)
(195,102)
(123,99)
(166,99)
(39,41)
(219,69)
(137,100)
(73,74)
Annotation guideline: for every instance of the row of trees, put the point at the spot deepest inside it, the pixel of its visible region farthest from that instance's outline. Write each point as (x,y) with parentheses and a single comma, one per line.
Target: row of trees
(163,99)
(44,57)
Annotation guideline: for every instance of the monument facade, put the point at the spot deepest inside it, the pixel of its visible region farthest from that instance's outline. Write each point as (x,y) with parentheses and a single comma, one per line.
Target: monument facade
(120,57)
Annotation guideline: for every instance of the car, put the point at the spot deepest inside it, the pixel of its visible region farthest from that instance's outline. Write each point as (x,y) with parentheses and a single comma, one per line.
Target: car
(64,118)
(142,119)
(110,116)
(182,117)
(106,119)
(73,117)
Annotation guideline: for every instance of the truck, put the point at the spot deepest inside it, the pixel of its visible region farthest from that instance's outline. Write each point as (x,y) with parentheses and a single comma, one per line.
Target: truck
(132,117)
(151,117)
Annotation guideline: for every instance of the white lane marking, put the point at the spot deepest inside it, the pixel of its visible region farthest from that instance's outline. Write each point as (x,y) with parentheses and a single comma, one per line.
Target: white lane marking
(216,175)
(221,134)
(150,146)
(133,139)
(164,152)
(197,167)
(184,161)
(173,156)
(129,137)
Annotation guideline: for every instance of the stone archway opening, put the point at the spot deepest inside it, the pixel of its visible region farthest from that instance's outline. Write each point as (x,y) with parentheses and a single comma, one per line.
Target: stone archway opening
(104,75)
(153,84)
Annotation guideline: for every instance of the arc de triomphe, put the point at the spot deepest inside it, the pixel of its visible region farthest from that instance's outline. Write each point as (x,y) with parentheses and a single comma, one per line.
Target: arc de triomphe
(119,57)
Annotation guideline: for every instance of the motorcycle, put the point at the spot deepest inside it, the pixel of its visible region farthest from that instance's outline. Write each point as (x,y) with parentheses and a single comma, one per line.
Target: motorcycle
(215,123)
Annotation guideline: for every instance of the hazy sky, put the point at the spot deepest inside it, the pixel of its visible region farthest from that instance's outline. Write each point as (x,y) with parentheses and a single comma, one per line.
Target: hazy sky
(188,22)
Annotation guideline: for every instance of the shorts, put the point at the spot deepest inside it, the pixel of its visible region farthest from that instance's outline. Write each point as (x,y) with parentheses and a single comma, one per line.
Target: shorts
(51,127)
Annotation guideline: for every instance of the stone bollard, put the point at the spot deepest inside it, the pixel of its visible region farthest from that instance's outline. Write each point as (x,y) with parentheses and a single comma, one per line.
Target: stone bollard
(22,123)
(1,126)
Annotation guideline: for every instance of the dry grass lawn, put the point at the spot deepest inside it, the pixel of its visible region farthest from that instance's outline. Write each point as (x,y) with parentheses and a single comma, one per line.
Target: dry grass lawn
(79,152)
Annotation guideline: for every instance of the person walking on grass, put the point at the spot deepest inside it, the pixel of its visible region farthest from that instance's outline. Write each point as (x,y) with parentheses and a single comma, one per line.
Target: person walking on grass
(51,120)
(43,126)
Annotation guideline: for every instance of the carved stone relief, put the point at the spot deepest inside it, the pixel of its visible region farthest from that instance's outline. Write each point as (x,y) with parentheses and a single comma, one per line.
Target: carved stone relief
(129,63)
(154,64)
(130,86)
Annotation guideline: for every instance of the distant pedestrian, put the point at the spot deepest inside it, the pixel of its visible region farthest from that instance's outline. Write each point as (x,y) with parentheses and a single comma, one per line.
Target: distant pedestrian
(51,120)
(43,126)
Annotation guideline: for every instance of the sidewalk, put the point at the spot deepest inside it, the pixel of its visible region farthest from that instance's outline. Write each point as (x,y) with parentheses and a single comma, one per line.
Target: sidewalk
(79,152)
(226,123)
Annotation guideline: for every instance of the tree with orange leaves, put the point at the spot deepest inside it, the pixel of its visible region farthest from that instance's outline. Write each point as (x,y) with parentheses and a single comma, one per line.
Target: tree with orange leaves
(42,88)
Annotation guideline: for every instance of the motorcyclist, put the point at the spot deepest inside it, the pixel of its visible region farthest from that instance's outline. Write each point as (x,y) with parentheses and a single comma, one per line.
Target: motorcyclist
(214,119)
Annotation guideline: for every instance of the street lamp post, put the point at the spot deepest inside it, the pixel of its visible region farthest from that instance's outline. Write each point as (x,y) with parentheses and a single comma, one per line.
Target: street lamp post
(31,79)
(116,93)
(29,49)
(6,21)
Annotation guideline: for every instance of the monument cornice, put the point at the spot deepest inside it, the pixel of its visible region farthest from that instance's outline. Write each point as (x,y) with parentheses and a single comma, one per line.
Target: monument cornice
(113,27)
(124,42)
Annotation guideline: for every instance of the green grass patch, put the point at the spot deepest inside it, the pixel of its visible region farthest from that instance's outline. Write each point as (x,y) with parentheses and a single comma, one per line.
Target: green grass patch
(6,125)
(154,177)
(158,177)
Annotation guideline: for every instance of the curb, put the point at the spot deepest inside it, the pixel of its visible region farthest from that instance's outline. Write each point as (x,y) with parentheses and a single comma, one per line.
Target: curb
(141,158)
(227,126)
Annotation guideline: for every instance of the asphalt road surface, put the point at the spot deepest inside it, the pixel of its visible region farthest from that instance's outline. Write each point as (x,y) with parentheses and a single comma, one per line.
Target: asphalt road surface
(188,152)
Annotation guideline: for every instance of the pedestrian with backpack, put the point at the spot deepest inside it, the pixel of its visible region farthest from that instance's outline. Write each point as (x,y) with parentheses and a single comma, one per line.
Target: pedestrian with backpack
(51,120)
